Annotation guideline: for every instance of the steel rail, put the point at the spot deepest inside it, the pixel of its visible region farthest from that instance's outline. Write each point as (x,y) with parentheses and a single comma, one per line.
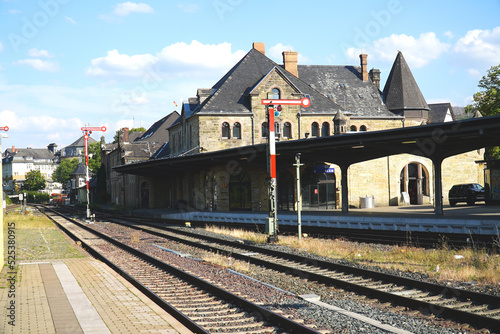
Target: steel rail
(442,311)
(271,317)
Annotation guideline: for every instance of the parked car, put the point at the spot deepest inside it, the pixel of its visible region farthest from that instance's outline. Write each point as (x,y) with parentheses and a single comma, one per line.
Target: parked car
(469,193)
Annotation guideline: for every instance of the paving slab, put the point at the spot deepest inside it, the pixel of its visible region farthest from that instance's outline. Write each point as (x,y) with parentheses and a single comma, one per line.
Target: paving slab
(78,295)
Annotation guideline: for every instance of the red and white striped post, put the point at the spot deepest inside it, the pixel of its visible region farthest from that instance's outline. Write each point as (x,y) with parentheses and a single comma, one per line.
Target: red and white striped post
(87,130)
(272,221)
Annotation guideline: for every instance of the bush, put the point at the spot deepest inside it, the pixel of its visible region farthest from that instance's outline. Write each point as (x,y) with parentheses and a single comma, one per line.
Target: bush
(37,197)
(8,201)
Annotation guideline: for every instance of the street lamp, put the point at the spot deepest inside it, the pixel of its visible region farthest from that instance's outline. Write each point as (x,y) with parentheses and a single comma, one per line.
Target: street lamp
(87,130)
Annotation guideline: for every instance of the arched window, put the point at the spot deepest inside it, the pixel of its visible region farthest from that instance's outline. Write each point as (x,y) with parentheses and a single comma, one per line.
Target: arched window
(314,129)
(265,130)
(225,130)
(287,130)
(237,130)
(362,128)
(325,129)
(275,94)
(354,128)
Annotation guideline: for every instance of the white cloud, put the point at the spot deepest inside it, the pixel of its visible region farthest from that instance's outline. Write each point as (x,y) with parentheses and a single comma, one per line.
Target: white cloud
(118,64)
(417,51)
(449,34)
(474,72)
(38,124)
(123,123)
(39,53)
(188,7)
(70,20)
(125,8)
(179,59)
(1,47)
(14,11)
(480,45)
(40,65)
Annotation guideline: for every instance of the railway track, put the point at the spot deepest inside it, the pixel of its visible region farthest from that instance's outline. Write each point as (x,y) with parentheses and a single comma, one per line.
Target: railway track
(199,305)
(464,306)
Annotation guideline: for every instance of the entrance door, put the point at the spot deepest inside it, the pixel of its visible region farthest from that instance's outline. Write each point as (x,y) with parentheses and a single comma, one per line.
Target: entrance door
(414,182)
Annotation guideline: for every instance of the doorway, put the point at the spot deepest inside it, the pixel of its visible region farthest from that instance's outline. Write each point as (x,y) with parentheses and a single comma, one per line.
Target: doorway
(414,181)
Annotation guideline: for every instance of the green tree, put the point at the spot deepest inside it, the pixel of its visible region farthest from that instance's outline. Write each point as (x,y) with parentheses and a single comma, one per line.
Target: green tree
(95,160)
(34,181)
(487,102)
(61,174)
(118,132)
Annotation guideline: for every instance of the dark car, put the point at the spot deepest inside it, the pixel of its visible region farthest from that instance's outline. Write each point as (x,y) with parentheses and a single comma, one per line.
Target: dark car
(469,193)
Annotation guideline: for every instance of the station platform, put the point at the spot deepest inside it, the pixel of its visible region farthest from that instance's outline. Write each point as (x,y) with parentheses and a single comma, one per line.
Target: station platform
(77,295)
(461,219)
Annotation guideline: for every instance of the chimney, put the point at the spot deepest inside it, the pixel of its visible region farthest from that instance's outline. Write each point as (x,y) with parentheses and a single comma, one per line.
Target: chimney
(125,135)
(261,47)
(52,147)
(364,66)
(13,149)
(290,62)
(202,94)
(375,77)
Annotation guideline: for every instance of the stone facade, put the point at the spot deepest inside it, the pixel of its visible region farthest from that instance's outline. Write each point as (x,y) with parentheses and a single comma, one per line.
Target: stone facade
(231,115)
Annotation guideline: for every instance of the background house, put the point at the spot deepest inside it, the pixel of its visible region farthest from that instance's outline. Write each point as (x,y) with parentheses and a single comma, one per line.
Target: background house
(134,147)
(17,162)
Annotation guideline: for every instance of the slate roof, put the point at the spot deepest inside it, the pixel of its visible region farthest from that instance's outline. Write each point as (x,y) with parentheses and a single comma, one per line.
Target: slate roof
(401,91)
(133,136)
(162,152)
(344,85)
(36,155)
(438,112)
(81,169)
(330,88)
(459,113)
(231,91)
(158,131)
(80,142)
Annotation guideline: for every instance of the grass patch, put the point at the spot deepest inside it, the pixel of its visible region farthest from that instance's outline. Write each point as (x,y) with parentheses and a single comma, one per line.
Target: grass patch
(443,263)
(37,238)
(228,262)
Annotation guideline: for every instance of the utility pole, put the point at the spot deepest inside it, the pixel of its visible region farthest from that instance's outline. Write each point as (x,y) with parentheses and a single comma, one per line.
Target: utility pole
(272,220)
(87,130)
(299,195)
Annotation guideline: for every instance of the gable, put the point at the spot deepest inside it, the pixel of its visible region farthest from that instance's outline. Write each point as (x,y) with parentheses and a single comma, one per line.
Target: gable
(275,78)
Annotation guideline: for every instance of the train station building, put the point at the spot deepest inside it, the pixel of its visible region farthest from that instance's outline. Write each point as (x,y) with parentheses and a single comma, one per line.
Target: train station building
(215,154)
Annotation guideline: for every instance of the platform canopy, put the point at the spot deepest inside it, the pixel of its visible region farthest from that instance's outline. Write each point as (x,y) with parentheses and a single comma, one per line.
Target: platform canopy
(435,141)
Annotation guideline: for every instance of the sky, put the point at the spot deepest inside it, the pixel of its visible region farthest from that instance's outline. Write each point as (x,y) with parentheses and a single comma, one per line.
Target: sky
(65,64)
